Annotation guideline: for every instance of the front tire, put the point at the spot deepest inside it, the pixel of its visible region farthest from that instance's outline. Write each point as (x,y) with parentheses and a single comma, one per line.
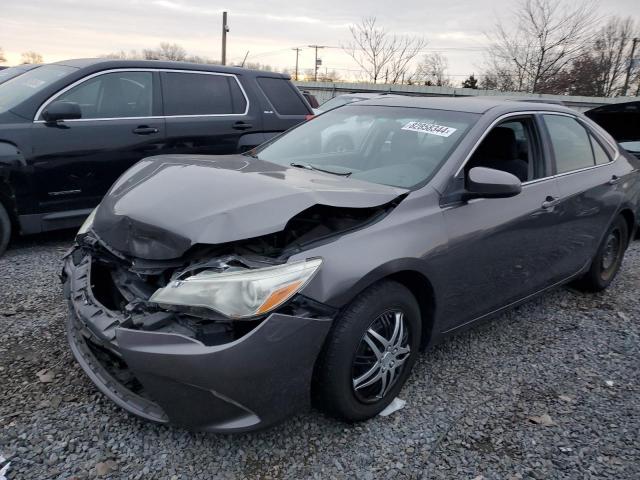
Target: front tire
(369,353)
(607,261)
(5,229)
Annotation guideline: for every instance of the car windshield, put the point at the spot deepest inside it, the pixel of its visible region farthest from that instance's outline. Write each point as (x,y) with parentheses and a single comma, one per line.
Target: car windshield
(339,101)
(9,73)
(16,90)
(397,146)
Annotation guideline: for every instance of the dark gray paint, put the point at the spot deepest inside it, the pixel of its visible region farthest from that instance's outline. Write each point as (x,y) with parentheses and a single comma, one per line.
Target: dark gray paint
(177,201)
(475,257)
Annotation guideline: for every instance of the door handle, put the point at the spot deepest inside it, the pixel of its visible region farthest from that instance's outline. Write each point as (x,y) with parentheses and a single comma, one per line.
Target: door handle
(614,179)
(144,130)
(242,126)
(549,202)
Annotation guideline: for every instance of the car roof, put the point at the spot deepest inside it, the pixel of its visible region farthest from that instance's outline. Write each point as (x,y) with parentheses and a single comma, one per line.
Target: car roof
(365,94)
(513,98)
(97,64)
(463,104)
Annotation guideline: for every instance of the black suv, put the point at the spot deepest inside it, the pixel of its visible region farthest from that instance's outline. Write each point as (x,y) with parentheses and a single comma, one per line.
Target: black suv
(69,129)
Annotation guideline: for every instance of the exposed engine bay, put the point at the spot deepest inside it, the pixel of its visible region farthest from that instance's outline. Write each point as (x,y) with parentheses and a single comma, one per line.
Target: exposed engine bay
(123,285)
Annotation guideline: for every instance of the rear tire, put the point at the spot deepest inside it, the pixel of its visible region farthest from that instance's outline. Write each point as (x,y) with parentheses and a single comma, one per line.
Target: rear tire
(348,359)
(5,229)
(607,261)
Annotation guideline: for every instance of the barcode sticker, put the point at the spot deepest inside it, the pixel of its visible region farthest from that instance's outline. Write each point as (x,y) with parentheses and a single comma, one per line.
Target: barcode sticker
(431,128)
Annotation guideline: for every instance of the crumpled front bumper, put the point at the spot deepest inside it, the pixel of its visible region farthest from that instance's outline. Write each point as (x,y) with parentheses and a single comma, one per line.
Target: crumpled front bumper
(249,383)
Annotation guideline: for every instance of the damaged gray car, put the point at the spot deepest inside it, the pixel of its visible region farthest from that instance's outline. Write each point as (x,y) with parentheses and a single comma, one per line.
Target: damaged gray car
(227,293)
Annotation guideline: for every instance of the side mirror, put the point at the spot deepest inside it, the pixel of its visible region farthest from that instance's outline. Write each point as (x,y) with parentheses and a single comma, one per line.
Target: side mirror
(484,182)
(62,111)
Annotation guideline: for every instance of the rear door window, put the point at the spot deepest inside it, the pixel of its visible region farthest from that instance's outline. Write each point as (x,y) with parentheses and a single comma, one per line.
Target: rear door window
(113,95)
(283,96)
(571,143)
(202,94)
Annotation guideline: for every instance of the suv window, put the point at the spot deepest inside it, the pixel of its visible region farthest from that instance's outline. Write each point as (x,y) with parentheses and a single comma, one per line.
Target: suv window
(511,146)
(571,144)
(283,96)
(113,95)
(202,94)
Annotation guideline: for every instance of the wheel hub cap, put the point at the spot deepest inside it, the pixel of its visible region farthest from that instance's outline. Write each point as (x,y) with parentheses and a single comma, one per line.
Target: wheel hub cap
(380,357)
(611,251)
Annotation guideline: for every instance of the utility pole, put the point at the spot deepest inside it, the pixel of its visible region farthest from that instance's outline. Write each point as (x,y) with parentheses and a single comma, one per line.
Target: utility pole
(225,29)
(316,47)
(297,54)
(626,80)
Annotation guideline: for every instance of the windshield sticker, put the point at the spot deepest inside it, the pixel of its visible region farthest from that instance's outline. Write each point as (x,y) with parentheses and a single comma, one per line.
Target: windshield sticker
(431,128)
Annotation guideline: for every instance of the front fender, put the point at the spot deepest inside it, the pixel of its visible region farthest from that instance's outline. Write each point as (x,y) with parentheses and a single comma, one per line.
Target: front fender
(12,165)
(393,267)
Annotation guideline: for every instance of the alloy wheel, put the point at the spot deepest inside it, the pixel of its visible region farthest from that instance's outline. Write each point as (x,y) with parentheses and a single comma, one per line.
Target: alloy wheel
(380,357)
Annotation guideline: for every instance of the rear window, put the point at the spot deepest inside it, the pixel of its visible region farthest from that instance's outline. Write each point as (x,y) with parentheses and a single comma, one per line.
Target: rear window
(202,94)
(16,90)
(283,96)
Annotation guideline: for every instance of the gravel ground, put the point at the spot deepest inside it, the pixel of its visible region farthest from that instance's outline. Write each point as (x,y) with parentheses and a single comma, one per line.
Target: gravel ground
(568,361)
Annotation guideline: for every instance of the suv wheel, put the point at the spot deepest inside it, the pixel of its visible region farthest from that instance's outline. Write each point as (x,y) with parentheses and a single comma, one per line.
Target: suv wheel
(370,352)
(606,263)
(5,229)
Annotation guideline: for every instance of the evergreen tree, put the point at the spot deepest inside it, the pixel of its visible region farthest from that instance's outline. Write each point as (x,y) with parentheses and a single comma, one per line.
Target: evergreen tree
(471,82)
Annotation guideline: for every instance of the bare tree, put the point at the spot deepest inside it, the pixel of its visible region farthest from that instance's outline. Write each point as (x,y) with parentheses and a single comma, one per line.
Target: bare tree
(611,51)
(124,55)
(2,56)
(329,76)
(432,70)
(406,50)
(381,54)
(497,79)
(540,39)
(31,57)
(166,51)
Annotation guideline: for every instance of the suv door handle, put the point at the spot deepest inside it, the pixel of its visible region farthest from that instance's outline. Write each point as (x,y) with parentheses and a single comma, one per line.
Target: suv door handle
(549,202)
(242,126)
(144,130)
(614,179)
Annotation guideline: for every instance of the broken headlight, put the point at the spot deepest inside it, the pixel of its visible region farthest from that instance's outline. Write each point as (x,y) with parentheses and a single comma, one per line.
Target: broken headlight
(88,223)
(240,293)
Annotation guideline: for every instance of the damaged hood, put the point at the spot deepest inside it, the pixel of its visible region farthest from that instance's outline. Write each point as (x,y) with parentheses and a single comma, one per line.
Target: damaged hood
(164,205)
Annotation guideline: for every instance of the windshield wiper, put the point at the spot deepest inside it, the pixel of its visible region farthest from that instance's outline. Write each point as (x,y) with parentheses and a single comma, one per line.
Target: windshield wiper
(309,166)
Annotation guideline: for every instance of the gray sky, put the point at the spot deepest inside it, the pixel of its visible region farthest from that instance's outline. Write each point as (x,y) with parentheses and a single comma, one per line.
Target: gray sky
(61,29)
